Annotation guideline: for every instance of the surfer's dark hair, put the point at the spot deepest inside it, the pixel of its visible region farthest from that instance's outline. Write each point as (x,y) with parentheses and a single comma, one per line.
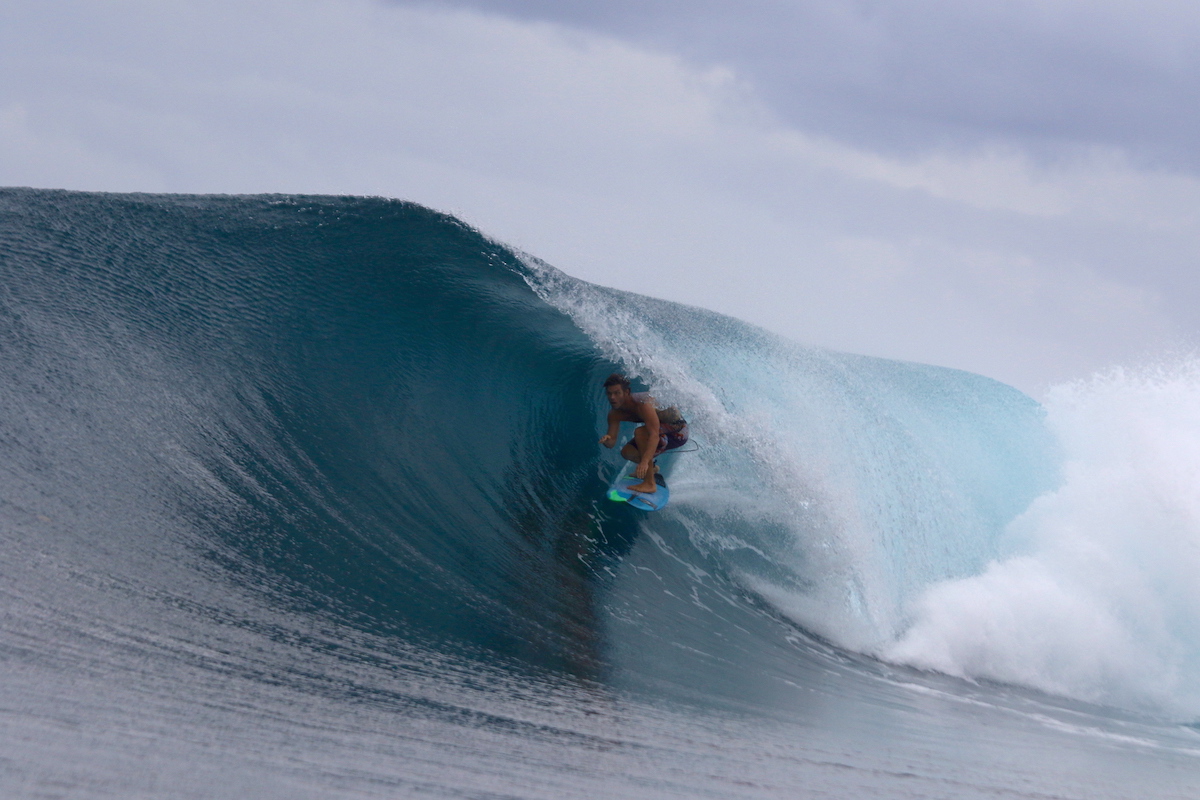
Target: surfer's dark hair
(616,379)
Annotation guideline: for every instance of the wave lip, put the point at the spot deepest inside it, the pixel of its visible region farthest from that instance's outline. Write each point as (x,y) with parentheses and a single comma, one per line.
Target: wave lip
(836,487)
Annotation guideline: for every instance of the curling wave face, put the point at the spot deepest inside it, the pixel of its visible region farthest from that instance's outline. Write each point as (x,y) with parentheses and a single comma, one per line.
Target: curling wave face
(289,439)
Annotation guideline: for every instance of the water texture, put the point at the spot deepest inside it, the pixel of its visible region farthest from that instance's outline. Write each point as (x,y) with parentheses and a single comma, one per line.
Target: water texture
(301,497)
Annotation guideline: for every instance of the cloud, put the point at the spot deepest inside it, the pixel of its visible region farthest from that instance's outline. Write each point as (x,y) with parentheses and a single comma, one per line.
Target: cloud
(913,76)
(623,163)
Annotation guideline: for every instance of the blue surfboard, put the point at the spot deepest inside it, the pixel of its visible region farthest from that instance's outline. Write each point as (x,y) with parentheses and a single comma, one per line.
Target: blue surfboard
(619,492)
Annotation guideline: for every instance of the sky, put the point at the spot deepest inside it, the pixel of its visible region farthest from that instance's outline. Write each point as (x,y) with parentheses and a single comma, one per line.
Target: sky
(1010,187)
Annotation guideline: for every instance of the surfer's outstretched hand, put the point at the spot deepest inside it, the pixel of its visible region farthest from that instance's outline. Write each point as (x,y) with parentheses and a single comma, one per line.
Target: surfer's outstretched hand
(607,440)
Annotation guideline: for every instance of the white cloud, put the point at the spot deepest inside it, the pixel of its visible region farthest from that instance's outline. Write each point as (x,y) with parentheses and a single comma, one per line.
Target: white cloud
(925,74)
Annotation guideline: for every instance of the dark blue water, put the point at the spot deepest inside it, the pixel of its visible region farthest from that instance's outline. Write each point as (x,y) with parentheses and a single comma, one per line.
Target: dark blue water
(301,497)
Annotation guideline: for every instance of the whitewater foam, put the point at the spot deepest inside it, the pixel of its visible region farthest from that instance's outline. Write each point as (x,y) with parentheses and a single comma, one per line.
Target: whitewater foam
(1099,600)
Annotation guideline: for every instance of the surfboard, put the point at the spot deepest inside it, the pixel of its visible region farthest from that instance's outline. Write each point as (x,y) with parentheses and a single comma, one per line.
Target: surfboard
(619,492)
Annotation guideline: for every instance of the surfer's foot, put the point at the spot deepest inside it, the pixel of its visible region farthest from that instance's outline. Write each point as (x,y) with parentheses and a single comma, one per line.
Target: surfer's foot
(648,486)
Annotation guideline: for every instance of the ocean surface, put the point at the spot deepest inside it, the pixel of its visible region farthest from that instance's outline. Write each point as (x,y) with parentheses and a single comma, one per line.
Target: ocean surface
(301,497)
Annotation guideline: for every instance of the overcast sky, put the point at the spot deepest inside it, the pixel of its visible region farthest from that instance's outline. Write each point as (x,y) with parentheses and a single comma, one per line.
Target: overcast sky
(1006,186)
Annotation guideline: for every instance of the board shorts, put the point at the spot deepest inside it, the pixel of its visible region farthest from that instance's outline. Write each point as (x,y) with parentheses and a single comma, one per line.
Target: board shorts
(669,440)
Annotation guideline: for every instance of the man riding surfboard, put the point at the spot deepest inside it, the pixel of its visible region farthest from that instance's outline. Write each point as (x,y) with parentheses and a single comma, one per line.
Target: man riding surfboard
(660,429)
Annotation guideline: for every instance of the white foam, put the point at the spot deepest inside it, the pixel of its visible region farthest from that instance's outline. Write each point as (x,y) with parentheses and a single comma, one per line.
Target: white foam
(1103,601)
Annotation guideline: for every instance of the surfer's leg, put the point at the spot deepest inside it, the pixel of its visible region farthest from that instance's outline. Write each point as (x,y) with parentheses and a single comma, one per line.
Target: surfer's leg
(641,442)
(632,451)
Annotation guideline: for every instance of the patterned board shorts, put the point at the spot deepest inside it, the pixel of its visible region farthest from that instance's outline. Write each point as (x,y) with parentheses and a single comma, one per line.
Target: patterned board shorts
(669,440)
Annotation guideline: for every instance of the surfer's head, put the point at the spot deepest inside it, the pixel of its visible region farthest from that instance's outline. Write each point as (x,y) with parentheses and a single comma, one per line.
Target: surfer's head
(616,386)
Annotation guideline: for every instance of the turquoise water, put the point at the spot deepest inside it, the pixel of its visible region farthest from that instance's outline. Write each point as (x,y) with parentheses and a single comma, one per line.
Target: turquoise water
(302,498)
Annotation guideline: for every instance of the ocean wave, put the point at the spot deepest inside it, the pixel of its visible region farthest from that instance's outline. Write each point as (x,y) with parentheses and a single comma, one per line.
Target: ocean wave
(365,414)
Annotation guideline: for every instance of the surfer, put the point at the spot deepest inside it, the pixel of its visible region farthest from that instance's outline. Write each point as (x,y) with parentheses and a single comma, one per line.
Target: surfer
(661,429)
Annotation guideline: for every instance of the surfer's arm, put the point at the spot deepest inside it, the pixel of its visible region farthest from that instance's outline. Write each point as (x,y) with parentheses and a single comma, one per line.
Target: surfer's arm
(614,429)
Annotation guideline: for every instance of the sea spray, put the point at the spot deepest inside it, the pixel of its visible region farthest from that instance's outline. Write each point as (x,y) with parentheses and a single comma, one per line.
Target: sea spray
(835,487)
(1100,600)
